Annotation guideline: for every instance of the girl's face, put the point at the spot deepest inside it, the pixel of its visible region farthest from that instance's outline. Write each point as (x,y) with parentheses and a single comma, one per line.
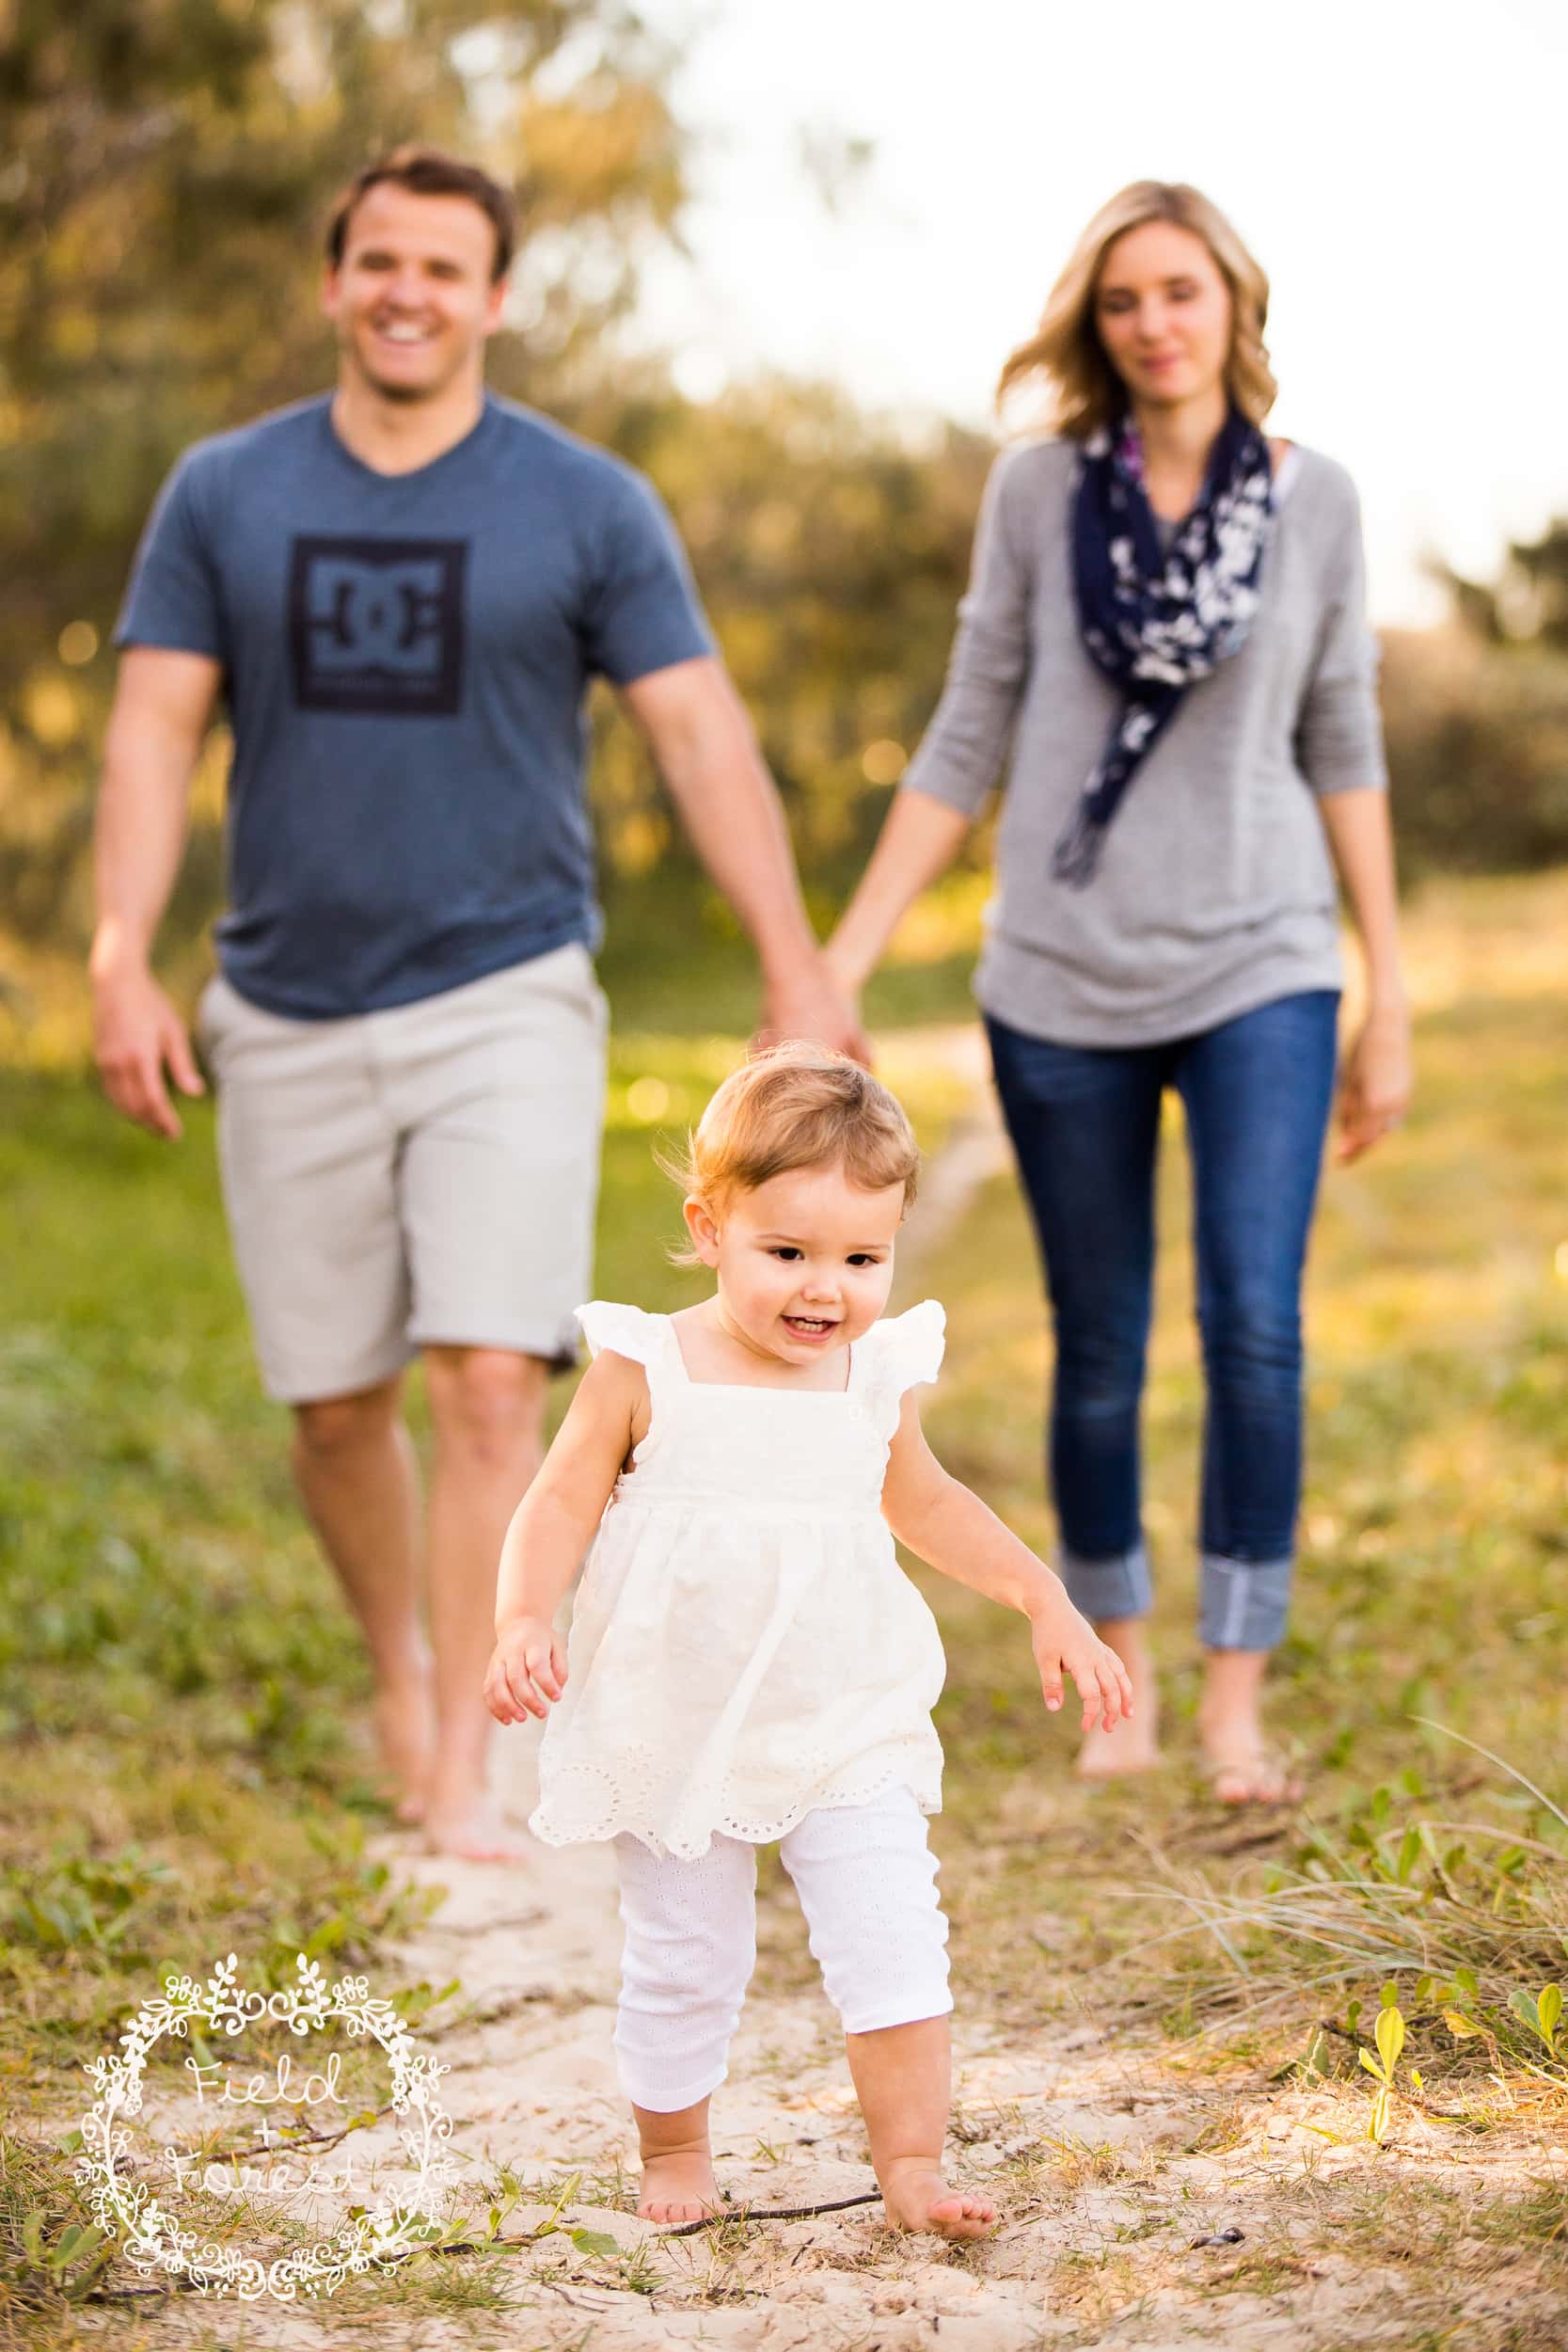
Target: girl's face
(1164,314)
(804,1263)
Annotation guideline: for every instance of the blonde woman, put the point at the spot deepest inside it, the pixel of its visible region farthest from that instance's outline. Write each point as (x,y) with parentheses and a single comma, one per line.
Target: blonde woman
(1166,618)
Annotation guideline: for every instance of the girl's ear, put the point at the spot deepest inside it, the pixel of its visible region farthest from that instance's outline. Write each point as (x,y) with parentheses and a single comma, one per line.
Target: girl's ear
(700,1225)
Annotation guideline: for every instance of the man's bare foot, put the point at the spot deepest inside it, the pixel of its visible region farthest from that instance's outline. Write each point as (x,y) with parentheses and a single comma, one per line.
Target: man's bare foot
(1133,1745)
(403,1718)
(473,1832)
(916,2197)
(677,2187)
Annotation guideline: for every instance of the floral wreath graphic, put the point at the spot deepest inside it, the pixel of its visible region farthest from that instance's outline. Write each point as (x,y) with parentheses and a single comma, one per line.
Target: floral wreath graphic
(152,2240)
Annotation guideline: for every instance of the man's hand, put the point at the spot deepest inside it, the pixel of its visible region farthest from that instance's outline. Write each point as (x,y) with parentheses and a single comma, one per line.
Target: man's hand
(812,1004)
(136,1032)
(1065,1641)
(163,702)
(526,1672)
(1374,1088)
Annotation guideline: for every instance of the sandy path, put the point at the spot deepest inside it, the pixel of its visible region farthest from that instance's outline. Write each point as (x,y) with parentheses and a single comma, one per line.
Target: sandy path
(1109,2164)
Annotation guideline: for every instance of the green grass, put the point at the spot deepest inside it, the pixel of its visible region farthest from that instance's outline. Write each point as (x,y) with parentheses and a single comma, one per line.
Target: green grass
(1432,1583)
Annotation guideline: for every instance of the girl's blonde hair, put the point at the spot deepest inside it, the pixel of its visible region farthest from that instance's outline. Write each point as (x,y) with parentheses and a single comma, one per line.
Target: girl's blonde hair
(1065,350)
(793,1106)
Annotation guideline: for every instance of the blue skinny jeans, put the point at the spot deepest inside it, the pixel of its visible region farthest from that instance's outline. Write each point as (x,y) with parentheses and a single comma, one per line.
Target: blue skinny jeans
(1084,1124)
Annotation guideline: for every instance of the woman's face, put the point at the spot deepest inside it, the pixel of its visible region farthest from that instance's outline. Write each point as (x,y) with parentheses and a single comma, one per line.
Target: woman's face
(1164,312)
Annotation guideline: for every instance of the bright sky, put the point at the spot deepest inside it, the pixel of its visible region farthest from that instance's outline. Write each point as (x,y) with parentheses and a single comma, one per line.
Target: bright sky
(1396,165)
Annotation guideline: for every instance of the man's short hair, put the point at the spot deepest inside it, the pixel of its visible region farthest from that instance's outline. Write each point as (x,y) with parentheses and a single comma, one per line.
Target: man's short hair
(427,171)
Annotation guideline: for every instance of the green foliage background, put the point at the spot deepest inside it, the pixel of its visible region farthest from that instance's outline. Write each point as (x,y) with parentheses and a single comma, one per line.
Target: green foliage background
(165,167)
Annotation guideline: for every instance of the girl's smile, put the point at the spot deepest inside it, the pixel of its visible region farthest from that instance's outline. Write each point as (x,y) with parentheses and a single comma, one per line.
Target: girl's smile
(813,1327)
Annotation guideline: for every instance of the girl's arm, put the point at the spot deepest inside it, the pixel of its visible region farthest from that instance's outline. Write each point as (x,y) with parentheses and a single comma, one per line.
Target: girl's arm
(954,1532)
(1376,1085)
(551,1528)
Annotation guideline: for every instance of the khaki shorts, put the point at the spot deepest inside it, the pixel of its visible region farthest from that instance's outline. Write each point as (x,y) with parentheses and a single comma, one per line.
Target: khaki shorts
(413,1177)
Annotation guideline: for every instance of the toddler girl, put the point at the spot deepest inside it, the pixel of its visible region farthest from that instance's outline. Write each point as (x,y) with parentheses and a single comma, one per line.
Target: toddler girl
(747,1662)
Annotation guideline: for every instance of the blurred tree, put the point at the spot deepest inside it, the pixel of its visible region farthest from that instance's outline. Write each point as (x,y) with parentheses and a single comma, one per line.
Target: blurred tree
(165,165)
(1477,714)
(1478,749)
(1528,604)
(831,551)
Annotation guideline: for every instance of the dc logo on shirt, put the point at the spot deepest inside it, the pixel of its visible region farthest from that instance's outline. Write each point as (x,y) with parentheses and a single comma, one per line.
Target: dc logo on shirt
(376,625)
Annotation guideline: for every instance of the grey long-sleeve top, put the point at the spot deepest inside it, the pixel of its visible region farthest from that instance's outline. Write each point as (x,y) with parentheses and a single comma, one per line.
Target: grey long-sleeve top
(1215,891)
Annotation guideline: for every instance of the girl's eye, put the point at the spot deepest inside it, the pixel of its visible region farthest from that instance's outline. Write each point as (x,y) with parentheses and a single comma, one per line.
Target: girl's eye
(861,1257)
(787,1252)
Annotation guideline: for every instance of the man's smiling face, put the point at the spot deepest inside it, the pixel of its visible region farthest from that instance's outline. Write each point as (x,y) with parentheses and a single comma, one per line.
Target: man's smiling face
(413,298)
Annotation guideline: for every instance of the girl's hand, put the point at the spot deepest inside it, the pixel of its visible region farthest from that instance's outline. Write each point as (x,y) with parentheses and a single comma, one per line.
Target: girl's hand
(1064,1639)
(1374,1088)
(526,1672)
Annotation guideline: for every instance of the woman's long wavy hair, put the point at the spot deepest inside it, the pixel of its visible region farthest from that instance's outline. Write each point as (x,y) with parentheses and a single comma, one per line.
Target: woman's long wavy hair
(1065,354)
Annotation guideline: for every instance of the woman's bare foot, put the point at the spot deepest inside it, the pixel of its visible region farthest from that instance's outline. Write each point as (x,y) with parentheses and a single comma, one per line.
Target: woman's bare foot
(677,2187)
(1258,1776)
(1133,1745)
(1241,1767)
(473,1832)
(916,2197)
(403,1718)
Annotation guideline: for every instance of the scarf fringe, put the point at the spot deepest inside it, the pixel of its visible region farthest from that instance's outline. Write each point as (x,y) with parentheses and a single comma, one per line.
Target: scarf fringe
(1075,859)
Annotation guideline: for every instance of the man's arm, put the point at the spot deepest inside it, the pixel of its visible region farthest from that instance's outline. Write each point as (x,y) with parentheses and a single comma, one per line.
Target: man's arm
(163,705)
(702,740)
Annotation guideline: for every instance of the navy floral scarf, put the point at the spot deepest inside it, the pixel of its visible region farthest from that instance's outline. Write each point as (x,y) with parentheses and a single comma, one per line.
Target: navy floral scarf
(1156,621)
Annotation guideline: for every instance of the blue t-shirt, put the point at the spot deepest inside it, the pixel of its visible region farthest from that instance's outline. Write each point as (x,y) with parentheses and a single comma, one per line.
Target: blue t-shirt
(405,659)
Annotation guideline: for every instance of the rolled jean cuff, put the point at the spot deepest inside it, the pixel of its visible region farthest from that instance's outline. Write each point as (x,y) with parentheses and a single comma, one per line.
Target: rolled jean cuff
(1104,1589)
(1244,1602)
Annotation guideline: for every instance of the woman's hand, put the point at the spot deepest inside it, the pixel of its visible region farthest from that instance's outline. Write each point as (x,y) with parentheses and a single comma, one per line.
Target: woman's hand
(526,1672)
(1062,1640)
(813,1003)
(846,977)
(1375,1083)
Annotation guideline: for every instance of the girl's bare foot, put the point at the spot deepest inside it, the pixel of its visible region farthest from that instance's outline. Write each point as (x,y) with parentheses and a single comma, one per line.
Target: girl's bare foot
(473,1832)
(916,2197)
(1133,1745)
(677,2187)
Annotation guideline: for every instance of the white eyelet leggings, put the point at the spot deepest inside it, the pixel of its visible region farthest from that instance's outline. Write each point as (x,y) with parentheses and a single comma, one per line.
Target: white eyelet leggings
(866,1879)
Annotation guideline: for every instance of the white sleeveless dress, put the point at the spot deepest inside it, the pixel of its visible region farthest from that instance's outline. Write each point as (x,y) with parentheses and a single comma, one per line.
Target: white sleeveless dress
(745,1647)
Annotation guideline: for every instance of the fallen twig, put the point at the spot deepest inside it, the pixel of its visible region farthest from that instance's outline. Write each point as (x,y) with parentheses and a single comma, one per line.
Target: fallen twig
(773,2213)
